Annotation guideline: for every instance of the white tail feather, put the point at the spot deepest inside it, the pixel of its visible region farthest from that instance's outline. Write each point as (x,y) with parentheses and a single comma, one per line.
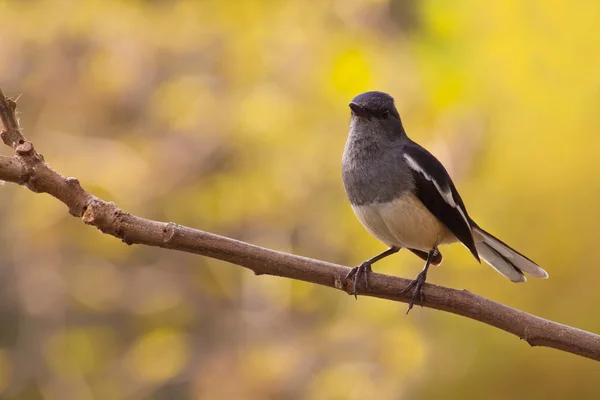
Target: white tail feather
(504,259)
(498,263)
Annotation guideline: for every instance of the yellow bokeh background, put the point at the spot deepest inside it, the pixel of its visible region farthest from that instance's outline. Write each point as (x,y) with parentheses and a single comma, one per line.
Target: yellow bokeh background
(231,117)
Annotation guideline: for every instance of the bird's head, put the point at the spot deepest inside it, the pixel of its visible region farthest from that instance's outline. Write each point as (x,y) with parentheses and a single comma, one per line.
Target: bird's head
(376,110)
(376,105)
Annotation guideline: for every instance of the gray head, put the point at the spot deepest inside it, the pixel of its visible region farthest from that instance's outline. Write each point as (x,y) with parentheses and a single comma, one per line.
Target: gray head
(372,111)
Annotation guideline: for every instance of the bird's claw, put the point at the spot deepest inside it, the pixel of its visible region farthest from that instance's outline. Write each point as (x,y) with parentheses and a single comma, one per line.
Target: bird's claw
(418,284)
(355,273)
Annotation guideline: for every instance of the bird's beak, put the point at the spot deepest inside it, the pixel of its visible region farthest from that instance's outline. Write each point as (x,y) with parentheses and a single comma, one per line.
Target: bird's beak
(359,110)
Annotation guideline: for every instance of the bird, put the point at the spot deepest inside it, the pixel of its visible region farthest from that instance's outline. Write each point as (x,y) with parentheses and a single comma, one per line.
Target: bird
(404,197)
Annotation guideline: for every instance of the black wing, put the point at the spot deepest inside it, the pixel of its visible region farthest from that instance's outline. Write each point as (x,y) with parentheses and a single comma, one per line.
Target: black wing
(437,192)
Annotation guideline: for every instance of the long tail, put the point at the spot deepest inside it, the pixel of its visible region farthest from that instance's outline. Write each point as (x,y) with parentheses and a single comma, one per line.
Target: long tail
(503,258)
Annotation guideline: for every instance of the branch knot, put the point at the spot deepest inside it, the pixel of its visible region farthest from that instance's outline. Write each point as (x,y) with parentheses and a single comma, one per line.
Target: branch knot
(169,231)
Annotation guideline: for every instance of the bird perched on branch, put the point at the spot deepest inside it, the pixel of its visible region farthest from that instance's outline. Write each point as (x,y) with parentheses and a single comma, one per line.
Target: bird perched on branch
(405,198)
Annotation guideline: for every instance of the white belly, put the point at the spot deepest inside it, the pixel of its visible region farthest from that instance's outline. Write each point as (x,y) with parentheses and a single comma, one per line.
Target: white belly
(404,222)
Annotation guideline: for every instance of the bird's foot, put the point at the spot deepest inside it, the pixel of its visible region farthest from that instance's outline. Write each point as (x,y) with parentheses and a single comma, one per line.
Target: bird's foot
(356,273)
(417,284)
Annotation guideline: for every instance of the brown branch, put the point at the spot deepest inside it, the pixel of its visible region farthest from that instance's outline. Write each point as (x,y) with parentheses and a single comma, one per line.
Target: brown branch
(28,168)
(11,132)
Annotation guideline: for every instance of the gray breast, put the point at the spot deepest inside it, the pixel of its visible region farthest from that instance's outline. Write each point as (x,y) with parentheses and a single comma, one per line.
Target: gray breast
(374,170)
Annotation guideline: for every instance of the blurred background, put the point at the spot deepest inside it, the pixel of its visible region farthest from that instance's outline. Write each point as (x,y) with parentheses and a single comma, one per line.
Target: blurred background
(231,117)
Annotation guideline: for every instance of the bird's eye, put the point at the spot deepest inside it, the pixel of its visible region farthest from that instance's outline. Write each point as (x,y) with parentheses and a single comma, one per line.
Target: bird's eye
(385,114)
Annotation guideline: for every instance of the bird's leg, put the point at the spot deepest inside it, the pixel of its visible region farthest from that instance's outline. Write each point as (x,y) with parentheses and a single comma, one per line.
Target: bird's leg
(364,269)
(419,281)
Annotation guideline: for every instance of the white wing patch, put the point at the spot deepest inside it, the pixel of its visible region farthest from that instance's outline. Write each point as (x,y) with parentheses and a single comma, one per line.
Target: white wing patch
(446,194)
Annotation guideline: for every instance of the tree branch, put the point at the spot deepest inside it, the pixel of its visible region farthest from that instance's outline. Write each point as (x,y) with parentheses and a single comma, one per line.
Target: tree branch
(28,168)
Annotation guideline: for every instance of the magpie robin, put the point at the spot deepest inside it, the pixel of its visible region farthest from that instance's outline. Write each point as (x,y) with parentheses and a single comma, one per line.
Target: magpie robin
(405,198)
